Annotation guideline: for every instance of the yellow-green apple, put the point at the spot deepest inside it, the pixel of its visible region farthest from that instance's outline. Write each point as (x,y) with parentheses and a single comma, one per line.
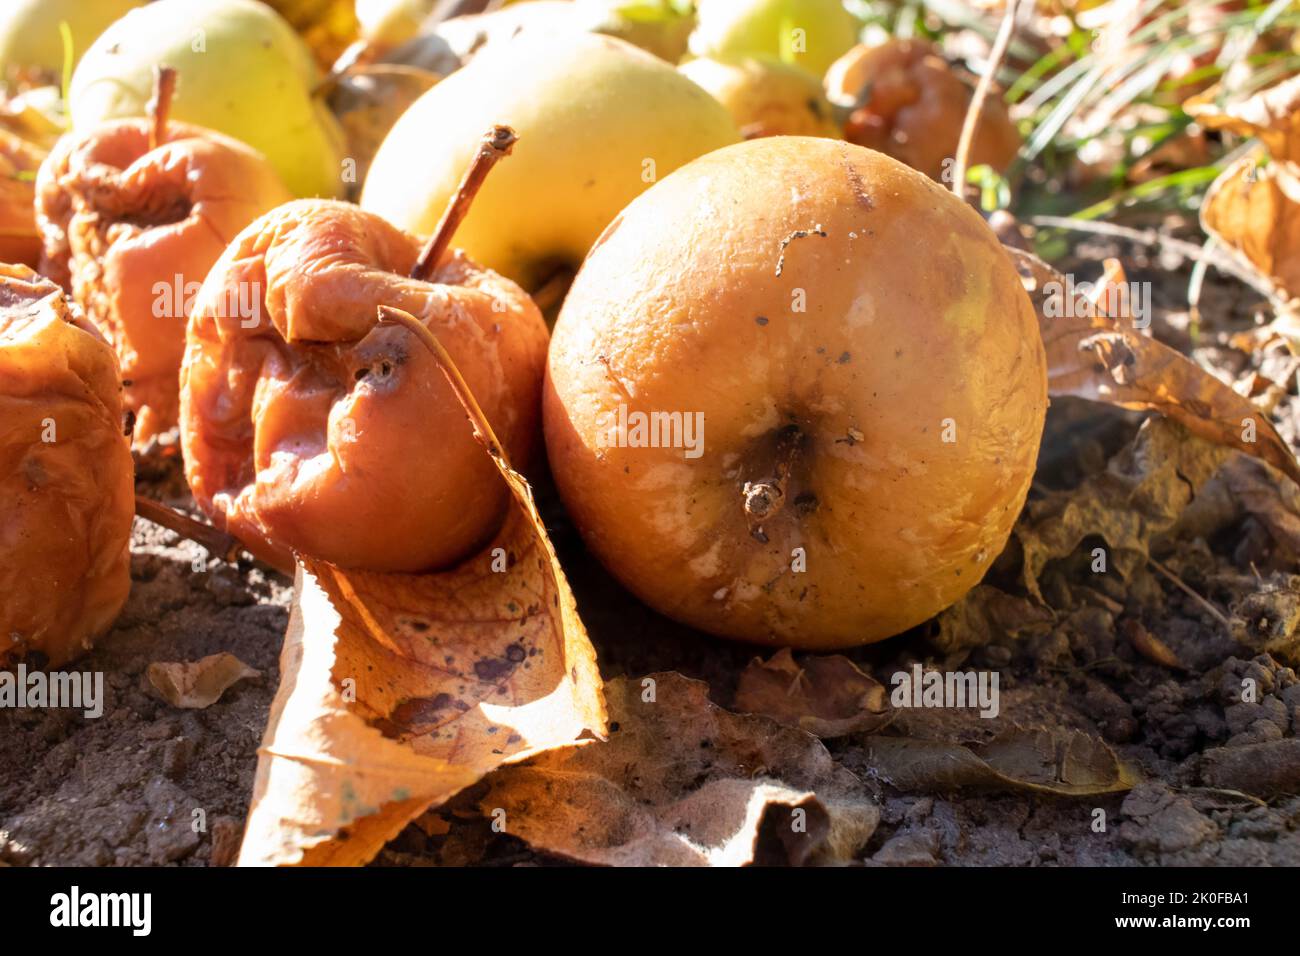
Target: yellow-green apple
(598,121)
(807,33)
(31,32)
(242,71)
(765,96)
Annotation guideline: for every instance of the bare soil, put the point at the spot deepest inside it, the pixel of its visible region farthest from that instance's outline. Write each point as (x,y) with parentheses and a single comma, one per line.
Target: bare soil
(125,788)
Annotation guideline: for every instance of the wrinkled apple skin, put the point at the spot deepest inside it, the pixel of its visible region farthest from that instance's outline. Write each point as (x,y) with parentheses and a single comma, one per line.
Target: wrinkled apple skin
(67,490)
(729,28)
(915,320)
(911,104)
(308,427)
(131,231)
(598,120)
(241,70)
(30,37)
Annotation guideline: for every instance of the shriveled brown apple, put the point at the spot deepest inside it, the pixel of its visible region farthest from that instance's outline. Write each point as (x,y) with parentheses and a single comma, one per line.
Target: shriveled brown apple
(795,395)
(66,475)
(908,102)
(133,213)
(308,426)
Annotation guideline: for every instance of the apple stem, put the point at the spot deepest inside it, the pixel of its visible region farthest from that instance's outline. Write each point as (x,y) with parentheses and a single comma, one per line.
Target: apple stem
(764,499)
(217,543)
(498,142)
(164,88)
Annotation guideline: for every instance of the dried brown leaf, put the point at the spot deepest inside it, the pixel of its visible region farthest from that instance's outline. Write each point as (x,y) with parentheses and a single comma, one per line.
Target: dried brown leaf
(1101,358)
(399,690)
(1145,488)
(987,615)
(1271,114)
(825,695)
(198,684)
(683,782)
(1276,505)
(1150,646)
(1063,762)
(1253,209)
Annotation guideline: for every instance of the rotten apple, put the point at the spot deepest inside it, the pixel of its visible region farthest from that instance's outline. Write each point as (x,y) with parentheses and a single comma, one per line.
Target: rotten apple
(309,426)
(907,101)
(133,213)
(795,395)
(66,475)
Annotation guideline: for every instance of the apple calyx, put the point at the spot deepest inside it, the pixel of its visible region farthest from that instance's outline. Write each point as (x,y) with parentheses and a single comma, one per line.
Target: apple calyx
(496,144)
(764,499)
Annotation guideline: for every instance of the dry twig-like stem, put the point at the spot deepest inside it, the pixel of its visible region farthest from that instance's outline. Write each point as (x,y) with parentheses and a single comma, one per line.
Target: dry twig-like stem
(976,108)
(164,88)
(498,143)
(1211,253)
(217,543)
(1182,586)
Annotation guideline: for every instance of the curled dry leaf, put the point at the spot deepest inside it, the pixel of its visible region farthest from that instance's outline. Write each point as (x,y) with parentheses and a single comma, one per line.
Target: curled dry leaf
(987,615)
(826,695)
(198,684)
(1269,769)
(399,690)
(1103,358)
(682,782)
(1254,208)
(1254,205)
(1275,505)
(1140,495)
(1271,114)
(1150,646)
(1062,762)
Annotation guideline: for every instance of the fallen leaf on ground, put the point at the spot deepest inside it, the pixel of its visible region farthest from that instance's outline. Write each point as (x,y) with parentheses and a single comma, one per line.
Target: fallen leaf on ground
(1141,494)
(1252,209)
(1276,505)
(987,615)
(200,683)
(1062,762)
(1150,646)
(682,782)
(825,695)
(1103,358)
(399,690)
(1269,769)
(1271,114)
